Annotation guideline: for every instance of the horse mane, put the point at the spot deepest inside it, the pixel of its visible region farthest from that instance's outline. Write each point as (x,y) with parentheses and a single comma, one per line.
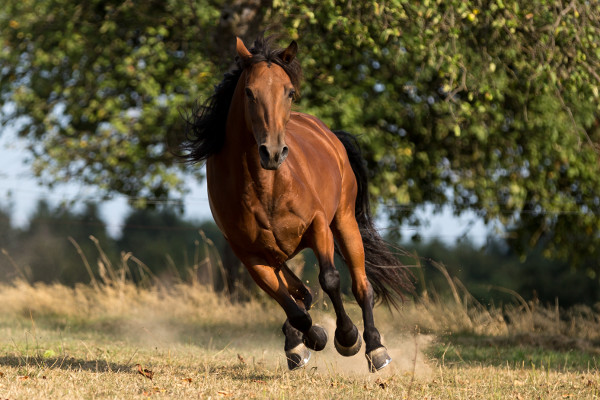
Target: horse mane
(205,123)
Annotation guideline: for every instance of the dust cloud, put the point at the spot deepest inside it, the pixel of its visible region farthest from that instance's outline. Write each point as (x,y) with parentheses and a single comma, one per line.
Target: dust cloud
(406,352)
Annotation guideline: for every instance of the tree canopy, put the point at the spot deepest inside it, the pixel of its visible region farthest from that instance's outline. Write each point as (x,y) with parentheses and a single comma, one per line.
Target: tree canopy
(489,106)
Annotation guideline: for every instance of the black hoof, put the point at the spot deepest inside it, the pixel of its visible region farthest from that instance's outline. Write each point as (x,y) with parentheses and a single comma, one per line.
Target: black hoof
(316,338)
(378,359)
(348,351)
(297,357)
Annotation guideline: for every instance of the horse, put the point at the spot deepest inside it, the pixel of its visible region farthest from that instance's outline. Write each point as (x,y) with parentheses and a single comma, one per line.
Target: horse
(280,181)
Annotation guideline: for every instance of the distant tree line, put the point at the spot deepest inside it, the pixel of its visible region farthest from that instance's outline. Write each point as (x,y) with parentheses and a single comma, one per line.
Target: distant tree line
(495,273)
(52,248)
(172,249)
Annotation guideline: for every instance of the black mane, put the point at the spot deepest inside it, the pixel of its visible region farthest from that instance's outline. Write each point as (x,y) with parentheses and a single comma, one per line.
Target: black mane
(205,123)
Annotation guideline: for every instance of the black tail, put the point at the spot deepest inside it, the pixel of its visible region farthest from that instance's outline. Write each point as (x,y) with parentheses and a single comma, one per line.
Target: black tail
(389,278)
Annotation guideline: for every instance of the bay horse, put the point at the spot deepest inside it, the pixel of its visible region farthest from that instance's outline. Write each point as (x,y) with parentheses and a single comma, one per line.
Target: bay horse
(280,181)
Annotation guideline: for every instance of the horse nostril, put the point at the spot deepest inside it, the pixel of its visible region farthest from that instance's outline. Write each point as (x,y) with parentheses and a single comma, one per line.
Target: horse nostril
(263,152)
(284,152)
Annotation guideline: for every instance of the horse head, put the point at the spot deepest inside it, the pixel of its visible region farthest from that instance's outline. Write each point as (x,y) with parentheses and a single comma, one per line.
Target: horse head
(269,93)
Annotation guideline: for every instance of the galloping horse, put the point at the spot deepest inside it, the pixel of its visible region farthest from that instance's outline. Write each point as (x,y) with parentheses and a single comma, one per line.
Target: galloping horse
(279,182)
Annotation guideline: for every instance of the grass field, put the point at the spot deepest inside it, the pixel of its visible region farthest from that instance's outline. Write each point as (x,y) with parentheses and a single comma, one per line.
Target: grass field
(95,342)
(116,340)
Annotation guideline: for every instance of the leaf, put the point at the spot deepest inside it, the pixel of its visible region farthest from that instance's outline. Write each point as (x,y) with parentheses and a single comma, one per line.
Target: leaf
(145,372)
(241,359)
(155,389)
(188,380)
(224,393)
(49,354)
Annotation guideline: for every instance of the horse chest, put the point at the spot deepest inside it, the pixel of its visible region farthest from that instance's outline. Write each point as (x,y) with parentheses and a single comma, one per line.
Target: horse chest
(278,226)
(265,225)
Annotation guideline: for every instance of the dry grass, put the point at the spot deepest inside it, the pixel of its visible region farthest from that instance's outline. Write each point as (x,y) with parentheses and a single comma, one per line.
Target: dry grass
(86,342)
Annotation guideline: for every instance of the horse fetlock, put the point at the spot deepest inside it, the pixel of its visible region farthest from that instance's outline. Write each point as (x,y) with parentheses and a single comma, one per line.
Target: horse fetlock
(293,337)
(301,322)
(347,343)
(315,338)
(372,339)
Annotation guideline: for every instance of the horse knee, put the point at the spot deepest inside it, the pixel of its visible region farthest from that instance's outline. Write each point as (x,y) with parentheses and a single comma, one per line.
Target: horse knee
(329,278)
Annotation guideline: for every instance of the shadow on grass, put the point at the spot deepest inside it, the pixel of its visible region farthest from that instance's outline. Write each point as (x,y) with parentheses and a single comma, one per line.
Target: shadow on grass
(529,351)
(153,332)
(65,363)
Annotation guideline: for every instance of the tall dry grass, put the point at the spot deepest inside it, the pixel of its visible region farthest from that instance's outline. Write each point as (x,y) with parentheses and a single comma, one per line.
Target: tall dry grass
(114,296)
(530,322)
(81,348)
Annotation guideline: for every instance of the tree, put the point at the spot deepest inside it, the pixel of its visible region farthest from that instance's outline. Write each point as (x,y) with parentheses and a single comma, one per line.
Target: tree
(162,240)
(7,240)
(489,106)
(44,248)
(97,86)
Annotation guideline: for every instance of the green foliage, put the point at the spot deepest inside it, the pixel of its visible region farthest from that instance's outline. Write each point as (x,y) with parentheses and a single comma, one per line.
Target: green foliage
(490,106)
(100,84)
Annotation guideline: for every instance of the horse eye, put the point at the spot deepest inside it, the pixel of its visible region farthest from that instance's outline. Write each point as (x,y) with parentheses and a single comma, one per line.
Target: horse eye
(249,94)
(292,94)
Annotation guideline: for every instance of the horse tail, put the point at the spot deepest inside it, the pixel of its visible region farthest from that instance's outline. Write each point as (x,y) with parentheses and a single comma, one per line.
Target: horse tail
(389,278)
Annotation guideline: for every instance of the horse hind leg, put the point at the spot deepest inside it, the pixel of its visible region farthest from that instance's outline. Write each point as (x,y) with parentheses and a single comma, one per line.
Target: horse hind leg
(347,339)
(351,246)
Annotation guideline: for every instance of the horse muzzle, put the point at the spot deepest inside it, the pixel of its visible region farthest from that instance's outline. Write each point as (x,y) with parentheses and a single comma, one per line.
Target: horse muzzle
(272,158)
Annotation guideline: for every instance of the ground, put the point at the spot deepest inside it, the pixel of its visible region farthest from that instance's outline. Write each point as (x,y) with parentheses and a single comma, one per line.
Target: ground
(124,342)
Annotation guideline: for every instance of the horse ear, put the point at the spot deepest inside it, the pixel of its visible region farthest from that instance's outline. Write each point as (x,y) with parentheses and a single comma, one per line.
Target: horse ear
(290,52)
(241,49)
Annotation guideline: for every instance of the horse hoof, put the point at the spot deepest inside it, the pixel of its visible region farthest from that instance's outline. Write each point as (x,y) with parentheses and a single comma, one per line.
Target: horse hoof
(378,359)
(316,338)
(297,357)
(348,351)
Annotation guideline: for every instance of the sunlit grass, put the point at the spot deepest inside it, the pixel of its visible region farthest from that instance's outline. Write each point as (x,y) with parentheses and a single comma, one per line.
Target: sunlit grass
(87,342)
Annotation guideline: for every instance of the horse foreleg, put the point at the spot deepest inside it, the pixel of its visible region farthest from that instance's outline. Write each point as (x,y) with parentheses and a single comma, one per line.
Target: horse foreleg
(351,245)
(296,352)
(313,337)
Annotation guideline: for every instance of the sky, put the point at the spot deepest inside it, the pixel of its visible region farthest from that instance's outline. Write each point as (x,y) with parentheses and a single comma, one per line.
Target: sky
(20,190)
